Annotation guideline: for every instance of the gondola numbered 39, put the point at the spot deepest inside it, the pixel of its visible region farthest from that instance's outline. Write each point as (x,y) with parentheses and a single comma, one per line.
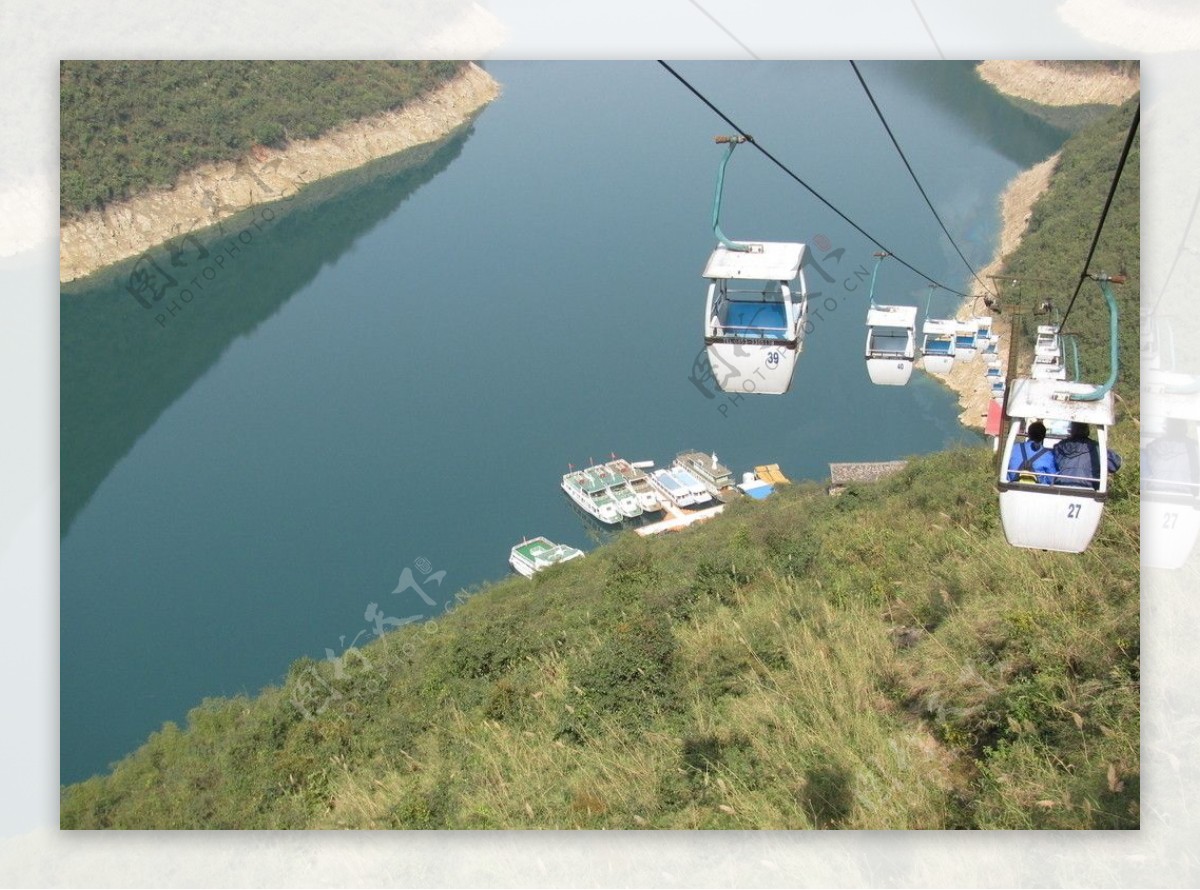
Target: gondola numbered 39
(753,327)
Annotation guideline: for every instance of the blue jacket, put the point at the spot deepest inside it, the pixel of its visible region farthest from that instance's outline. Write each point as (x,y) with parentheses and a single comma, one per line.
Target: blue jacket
(1042,464)
(1081,458)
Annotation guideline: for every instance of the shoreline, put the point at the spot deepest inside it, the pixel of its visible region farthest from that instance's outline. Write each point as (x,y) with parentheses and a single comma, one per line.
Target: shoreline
(1057,87)
(212,193)
(1032,82)
(966,378)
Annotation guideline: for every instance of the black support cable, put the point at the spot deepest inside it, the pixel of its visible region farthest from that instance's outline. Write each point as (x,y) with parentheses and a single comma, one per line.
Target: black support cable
(774,160)
(913,174)
(1112,190)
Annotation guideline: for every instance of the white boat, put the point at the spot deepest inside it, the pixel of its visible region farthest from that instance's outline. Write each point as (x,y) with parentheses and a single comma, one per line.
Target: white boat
(700,494)
(717,478)
(636,479)
(673,491)
(618,489)
(591,496)
(531,556)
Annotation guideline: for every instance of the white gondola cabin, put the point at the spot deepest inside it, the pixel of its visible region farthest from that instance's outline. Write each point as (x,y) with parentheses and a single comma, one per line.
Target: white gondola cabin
(965,333)
(891,344)
(1062,516)
(1170,470)
(755,315)
(938,346)
(1048,363)
(1048,342)
(983,331)
(991,352)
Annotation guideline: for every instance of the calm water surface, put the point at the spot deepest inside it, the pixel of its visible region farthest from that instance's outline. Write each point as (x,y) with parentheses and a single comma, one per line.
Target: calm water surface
(394,370)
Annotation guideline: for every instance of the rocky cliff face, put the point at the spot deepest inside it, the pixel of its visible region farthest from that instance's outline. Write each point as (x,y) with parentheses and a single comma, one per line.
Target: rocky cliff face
(213,192)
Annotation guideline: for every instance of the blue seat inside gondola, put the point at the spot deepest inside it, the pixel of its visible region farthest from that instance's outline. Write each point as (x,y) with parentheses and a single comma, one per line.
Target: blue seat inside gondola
(936,347)
(965,341)
(993,372)
(755,319)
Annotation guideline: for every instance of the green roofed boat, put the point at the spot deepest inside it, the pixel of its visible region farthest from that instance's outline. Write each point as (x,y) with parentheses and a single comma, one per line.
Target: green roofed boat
(530,557)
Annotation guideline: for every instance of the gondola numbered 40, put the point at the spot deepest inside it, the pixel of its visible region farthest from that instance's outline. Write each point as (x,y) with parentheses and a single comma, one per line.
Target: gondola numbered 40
(891,344)
(755,315)
(1062,516)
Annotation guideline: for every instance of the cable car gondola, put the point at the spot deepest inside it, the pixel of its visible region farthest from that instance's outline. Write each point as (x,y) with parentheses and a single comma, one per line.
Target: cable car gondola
(938,346)
(965,346)
(1048,355)
(891,344)
(756,308)
(1170,471)
(891,339)
(1064,514)
(983,331)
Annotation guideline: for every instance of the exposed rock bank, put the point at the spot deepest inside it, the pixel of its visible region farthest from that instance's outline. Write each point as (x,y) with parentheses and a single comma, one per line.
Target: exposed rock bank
(213,192)
(1052,85)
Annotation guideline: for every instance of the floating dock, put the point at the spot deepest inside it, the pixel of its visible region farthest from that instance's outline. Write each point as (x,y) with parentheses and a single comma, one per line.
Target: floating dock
(772,474)
(677,519)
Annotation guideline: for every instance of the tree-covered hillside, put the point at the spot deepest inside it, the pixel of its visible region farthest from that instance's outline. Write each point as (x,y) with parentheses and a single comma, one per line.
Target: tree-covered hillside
(126,126)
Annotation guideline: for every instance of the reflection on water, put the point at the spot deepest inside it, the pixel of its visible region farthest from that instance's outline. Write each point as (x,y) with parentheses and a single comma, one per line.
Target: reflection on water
(125,356)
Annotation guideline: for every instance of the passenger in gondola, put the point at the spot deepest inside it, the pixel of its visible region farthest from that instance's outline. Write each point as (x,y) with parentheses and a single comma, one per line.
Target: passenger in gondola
(1078,458)
(1032,461)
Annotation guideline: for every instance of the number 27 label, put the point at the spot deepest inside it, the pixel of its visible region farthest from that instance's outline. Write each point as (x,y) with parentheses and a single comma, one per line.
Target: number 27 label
(1073,510)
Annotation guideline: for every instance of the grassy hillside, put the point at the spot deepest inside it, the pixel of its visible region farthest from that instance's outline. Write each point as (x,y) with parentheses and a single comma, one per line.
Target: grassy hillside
(878,660)
(129,126)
